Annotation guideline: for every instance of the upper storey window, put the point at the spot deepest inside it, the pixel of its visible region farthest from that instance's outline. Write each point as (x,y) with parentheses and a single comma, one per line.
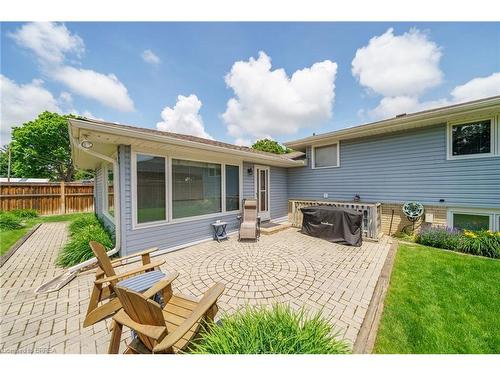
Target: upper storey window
(473,139)
(325,156)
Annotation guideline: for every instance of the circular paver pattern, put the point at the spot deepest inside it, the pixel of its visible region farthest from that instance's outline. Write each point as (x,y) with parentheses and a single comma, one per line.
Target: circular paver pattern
(255,273)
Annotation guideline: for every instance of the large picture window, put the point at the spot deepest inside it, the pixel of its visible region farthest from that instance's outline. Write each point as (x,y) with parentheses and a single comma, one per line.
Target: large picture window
(232,188)
(151,189)
(196,188)
(471,138)
(326,156)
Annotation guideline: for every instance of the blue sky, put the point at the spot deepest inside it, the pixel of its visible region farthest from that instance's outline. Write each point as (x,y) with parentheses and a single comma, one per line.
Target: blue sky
(194,58)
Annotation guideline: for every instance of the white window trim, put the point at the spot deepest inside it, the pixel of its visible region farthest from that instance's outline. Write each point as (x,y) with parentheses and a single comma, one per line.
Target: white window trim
(168,173)
(240,187)
(105,204)
(313,162)
(256,188)
(493,215)
(133,190)
(494,141)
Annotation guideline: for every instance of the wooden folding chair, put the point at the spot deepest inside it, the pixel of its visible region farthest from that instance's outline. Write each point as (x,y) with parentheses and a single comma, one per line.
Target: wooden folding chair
(103,301)
(168,330)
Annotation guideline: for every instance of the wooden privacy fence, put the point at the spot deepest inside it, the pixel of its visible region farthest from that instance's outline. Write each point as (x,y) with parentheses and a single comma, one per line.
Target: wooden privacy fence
(51,198)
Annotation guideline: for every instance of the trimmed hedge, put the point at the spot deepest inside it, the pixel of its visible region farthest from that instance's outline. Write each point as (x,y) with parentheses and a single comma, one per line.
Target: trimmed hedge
(485,243)
(278,330)
(82,231)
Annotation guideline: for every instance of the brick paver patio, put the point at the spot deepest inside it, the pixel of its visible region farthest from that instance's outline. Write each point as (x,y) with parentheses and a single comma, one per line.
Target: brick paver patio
(284,267)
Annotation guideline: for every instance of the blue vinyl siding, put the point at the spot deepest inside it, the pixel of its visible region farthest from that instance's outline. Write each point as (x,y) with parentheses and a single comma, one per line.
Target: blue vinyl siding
(248,181)
(279,193)
(402,166)
(98,199)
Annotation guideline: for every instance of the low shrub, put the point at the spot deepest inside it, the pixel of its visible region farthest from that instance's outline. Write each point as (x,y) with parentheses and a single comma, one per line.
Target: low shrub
(84,221)
(278,330)
(441,237)
(9,221)
(25,213)
(484,243)
(83,230)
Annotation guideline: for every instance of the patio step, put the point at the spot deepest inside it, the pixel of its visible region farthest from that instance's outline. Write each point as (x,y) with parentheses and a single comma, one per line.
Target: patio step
(271,228)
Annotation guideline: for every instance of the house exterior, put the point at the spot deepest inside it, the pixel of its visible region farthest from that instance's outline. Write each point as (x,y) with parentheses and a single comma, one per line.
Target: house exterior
(162,189)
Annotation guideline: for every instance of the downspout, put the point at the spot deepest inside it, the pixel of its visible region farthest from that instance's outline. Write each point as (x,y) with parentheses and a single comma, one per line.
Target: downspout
(116,190)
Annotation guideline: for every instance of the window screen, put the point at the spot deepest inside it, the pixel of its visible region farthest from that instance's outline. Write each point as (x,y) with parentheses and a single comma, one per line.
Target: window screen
(325,156)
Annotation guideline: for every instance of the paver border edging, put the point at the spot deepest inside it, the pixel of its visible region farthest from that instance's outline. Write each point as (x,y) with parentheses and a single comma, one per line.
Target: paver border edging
(4,258)
(368,332)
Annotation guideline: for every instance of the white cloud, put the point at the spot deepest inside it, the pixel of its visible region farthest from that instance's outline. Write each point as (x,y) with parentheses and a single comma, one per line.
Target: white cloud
(392,106)
(481,87)
(150,57)
(21,103)
(52,42)
(268,103)
(243,142)
(184,117)
(106,89)
(401,65)
(66,97)
(476,88)
(90,115)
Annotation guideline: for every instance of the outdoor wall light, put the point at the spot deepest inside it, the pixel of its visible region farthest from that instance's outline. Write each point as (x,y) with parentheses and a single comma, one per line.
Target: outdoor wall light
(86,144)
(250,171)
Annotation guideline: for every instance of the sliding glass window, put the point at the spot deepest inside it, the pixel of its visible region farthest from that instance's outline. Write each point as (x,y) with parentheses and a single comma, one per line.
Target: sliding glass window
(196,188)
(151,189)
(232,188)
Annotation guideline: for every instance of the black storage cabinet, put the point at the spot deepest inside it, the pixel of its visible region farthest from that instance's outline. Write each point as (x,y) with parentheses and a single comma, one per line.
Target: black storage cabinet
(335,224)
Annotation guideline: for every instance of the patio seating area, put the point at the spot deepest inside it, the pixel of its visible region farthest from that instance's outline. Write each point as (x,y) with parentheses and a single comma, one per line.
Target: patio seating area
(286,267)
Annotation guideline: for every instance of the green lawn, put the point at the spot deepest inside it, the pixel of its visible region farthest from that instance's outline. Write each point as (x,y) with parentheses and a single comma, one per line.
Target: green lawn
(10,237)
(441,302)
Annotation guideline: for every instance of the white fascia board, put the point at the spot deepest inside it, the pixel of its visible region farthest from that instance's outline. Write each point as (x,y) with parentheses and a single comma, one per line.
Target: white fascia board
(426,118)
(248,156)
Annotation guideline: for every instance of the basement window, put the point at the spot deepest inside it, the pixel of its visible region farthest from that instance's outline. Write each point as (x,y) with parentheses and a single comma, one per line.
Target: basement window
(469,219)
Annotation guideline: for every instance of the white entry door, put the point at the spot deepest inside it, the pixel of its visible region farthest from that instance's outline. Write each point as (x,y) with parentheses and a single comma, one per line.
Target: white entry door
(262,179)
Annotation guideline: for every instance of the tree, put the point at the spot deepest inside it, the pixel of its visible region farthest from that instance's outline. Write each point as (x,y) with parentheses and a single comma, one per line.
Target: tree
(41,148)
(4,160)
(270,145)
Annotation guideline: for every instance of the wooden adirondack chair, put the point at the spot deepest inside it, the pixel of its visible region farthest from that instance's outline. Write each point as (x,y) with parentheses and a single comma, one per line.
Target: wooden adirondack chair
(106,279)
(170,330)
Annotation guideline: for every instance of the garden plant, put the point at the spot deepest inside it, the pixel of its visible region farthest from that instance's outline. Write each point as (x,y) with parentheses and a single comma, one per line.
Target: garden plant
(275,330)
(484,242)
(83,230)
